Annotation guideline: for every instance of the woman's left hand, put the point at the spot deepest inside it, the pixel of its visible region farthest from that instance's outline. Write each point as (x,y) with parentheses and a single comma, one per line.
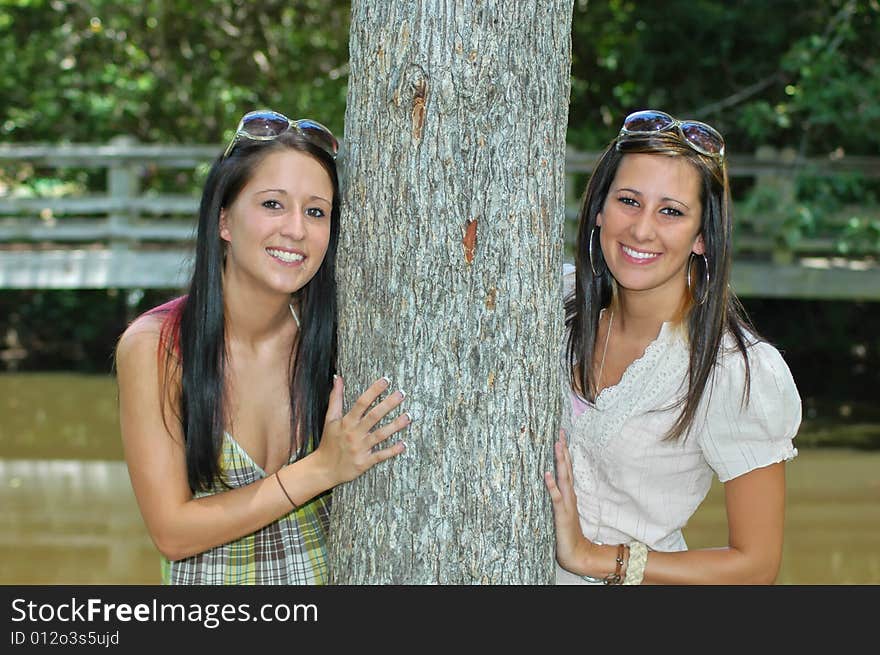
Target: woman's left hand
(572,547)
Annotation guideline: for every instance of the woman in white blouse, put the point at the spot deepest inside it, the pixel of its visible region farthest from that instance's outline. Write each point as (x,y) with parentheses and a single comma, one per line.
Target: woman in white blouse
(669,382)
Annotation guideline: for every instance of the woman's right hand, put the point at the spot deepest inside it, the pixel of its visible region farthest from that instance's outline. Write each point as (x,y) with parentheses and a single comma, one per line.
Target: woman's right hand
(572,547)
(347,444)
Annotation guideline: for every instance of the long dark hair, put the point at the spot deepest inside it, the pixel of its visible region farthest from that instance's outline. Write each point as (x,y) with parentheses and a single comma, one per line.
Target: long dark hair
(193,330)
(706,322)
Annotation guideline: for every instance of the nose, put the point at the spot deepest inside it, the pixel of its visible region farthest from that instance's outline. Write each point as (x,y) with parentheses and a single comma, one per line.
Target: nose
(294,225)
(642,227)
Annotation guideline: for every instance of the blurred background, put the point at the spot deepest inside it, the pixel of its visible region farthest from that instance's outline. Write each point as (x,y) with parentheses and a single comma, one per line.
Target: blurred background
(110,113)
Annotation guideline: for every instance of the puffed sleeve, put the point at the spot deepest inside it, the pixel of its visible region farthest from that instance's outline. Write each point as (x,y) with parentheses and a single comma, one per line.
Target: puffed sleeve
(739,438)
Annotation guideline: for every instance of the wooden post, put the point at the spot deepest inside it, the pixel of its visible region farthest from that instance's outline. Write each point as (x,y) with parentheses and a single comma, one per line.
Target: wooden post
(122,187)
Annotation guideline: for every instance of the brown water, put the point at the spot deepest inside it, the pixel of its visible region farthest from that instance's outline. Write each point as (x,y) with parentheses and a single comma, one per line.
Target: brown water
(69,515)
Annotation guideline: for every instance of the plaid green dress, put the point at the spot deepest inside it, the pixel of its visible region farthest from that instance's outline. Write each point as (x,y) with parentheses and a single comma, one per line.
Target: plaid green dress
(292,550)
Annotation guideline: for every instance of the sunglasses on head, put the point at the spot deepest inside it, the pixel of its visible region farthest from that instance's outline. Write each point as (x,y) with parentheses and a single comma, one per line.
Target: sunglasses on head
(703,138)
(265,125)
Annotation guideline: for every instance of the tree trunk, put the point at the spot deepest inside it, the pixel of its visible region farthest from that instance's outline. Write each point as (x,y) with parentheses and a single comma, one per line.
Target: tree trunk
(450,281)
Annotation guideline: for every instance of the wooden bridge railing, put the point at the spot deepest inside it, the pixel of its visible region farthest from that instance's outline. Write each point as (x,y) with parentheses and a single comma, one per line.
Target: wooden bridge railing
(123,237)
(127,237)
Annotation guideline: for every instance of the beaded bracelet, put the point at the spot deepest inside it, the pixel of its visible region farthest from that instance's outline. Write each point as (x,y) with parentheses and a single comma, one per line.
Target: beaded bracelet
(615,578)
(638,559)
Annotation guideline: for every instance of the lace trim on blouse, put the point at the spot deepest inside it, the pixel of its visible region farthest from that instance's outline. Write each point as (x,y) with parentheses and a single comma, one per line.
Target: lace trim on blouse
(660,372)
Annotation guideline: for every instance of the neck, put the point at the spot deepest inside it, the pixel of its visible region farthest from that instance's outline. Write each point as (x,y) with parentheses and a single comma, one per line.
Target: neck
(254,318)
(642,313)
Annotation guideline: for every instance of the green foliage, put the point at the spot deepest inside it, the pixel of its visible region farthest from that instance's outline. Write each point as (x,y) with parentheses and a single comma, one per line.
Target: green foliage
(765,73)
(842,208)
(166,70)
(779,73)
(833,83)
(860,235)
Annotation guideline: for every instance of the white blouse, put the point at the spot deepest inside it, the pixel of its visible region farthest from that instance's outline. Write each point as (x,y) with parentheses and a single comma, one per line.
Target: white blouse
(631,483)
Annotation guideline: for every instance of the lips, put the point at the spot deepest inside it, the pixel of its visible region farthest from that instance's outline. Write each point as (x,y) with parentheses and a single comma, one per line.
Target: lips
(286,256)
(639,256)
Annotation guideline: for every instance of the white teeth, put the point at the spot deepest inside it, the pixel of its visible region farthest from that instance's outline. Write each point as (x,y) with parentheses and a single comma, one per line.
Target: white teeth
(639,255)
(285,256)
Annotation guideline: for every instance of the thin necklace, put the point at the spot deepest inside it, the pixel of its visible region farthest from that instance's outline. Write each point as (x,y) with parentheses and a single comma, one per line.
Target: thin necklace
(605,350)
(296,318)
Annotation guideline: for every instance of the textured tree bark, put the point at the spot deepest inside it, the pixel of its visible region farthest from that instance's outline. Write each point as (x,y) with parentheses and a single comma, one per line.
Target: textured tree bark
(450,280)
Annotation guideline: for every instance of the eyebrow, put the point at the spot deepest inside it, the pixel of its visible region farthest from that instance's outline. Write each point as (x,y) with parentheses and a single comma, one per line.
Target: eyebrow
(683,204)
(664,199)
(283,192)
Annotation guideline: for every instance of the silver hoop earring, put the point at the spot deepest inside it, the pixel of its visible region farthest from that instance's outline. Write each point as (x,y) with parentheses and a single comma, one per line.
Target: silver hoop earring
(590,252)
(688,276)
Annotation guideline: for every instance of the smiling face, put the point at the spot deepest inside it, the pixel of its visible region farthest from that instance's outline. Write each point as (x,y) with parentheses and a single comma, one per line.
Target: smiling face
(278,227)
(650,224)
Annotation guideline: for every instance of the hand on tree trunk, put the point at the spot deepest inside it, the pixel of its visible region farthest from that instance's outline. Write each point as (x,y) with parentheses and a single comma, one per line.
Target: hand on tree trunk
(347,446)
(572,547)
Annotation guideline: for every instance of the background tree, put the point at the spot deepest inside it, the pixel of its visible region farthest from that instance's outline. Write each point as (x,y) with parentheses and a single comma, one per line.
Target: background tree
(450,283)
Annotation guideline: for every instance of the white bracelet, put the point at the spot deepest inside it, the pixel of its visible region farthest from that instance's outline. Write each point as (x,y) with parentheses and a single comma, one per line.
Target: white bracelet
(638,559)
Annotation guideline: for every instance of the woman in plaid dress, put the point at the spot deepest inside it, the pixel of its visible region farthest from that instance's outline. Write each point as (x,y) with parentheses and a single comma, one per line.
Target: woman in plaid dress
(232,418)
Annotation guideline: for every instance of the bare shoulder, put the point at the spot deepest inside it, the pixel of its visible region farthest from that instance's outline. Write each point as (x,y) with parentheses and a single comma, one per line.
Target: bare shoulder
(147,384)
(140,340)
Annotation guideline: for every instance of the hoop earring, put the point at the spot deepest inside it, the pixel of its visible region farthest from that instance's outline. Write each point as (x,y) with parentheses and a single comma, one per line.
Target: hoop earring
(688,276)
(590,252)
